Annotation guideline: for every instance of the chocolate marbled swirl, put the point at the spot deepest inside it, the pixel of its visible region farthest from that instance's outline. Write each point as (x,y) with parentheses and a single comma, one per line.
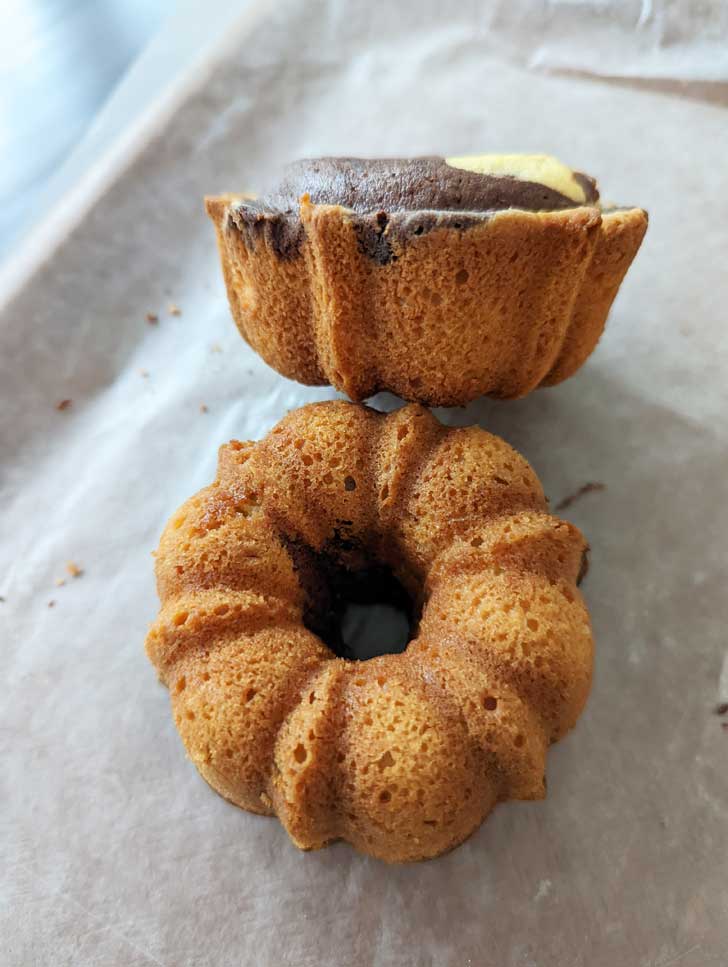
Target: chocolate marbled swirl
(412,184)
(394,199)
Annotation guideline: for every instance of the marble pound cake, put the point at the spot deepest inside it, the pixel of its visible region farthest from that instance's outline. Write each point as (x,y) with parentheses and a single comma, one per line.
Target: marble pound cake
(441,280)
(402,755)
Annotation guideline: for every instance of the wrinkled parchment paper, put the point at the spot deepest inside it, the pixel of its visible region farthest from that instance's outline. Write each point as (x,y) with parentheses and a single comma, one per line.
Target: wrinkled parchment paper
(113,850)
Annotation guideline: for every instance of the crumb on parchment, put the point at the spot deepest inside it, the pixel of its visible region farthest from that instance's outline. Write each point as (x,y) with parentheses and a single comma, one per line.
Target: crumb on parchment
(587,488)
(64,404)
(174,309)
(73,570)
(51,603)
(204,408)
(152,318)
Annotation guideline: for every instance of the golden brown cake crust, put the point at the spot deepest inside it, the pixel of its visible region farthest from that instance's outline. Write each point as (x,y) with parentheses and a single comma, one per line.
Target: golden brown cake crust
(405,754)
(491,303)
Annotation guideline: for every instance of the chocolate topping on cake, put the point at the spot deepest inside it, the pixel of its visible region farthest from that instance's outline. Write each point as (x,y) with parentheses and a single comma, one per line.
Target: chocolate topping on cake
(412,184)
(395,198)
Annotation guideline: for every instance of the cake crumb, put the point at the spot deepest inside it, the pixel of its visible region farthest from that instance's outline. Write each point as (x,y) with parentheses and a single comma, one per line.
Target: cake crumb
(174,309)
(587,488)
(74,570)
(64,404)
(216,348)
(204,408)
(152,318)
(721,709)
(59,582)
(51,603)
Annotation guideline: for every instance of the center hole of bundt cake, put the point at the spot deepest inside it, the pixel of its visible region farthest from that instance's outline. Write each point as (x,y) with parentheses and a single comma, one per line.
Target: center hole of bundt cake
(369,614)
(368,630)
(355,605)
(374,616)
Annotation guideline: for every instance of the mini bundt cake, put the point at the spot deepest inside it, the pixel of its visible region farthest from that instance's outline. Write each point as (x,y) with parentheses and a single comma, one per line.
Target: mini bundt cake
(439,280)
(405,754)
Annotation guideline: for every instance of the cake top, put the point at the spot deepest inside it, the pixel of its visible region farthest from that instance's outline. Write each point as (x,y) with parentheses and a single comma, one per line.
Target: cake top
(477,183)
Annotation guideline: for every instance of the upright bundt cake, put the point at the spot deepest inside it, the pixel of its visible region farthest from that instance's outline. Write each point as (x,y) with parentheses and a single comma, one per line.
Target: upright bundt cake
(439,279)
(405,754)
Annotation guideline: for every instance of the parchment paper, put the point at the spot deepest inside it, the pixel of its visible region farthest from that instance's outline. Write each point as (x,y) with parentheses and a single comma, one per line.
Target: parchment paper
(113,850)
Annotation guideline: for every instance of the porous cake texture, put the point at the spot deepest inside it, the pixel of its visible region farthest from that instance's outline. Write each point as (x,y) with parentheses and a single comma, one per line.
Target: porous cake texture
(402,755)
(440,280)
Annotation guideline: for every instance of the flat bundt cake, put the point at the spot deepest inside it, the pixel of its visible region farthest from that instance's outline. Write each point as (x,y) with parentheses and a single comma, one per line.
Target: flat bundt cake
(405,754)
(438,279)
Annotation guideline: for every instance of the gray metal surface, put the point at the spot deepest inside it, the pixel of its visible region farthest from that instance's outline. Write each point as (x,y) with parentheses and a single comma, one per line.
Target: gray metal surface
(59,60)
